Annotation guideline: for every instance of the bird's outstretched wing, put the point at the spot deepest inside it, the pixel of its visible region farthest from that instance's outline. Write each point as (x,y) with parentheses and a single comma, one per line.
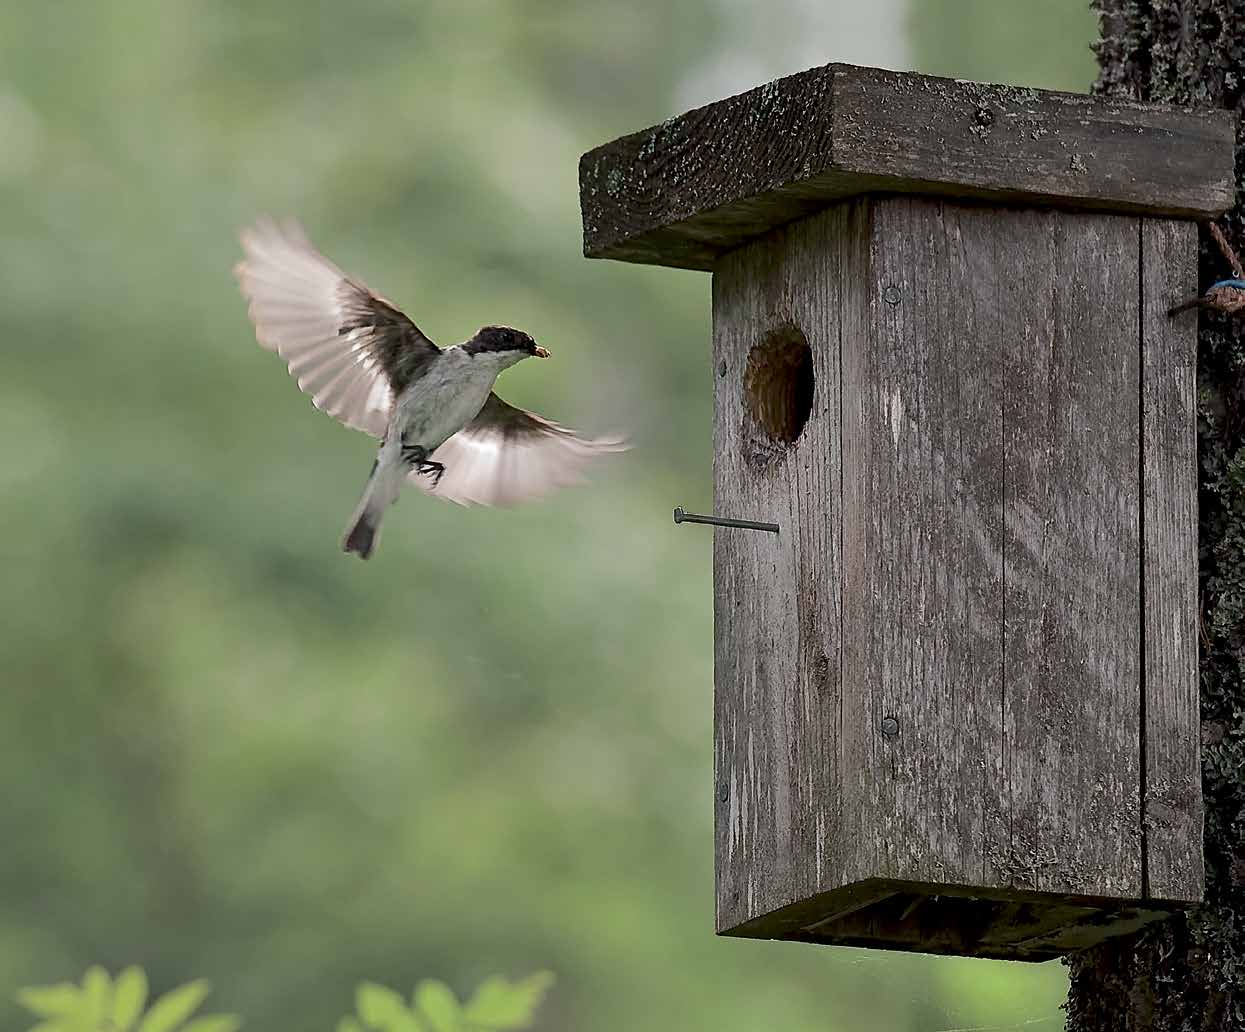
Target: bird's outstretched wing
(506,455)
(348,348)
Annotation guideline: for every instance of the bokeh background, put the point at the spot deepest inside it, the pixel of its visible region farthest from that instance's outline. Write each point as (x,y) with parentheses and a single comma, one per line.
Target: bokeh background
(227,750)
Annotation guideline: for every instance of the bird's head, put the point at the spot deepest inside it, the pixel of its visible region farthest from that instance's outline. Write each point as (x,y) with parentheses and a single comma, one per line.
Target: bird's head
(508,345)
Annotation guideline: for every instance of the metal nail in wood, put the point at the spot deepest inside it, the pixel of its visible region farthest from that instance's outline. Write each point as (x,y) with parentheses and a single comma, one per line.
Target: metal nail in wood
(682,516)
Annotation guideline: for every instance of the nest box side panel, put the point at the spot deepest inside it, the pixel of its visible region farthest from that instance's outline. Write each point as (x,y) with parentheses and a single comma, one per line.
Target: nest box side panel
(1070,289)
(923,508)
(1173,768)
(783,759)
(966,666)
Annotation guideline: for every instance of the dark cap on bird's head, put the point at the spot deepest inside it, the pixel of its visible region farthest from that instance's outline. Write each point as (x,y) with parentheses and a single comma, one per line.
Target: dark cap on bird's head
(503,338)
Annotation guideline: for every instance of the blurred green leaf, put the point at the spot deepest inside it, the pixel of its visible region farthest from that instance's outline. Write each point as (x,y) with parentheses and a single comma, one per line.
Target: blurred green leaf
(501,1004)
(497,1004)
(129,997)
(96,996)
(52,1001)
(378,1005)
(436,1002)
(174,1007)
(215,1023)
(405,1022)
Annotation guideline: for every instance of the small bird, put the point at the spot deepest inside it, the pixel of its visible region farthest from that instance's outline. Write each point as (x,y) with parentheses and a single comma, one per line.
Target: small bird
(1227,295)
(369,366)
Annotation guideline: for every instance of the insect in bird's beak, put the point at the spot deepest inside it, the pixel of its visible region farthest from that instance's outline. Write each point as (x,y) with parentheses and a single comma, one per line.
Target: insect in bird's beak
(540,352)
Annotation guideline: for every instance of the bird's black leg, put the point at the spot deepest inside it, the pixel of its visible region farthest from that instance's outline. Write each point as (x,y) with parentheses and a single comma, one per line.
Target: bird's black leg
(417,456)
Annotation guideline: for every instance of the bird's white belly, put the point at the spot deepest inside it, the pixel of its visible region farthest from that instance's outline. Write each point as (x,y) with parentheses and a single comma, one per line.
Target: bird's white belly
(442,402)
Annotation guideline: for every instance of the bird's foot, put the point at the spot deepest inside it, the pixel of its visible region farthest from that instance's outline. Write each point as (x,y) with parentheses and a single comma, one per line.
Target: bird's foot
(437,469)
(416,456)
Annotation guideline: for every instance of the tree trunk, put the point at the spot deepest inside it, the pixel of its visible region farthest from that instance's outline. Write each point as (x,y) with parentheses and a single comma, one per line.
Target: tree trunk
(1188,974)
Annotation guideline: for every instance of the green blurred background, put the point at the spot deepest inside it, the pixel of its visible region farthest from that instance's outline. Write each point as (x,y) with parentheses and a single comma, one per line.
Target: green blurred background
(226,749)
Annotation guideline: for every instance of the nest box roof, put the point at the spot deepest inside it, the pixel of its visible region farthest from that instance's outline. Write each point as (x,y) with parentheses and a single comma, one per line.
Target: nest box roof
(683,192)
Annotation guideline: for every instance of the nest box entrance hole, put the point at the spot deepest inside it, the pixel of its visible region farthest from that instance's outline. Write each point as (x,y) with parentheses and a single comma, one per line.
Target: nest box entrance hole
(778,383)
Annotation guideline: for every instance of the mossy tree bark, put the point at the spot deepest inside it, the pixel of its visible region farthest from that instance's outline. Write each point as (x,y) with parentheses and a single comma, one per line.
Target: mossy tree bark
(1188,974)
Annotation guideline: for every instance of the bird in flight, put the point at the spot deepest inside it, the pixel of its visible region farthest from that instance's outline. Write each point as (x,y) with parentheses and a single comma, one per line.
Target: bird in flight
(366,364)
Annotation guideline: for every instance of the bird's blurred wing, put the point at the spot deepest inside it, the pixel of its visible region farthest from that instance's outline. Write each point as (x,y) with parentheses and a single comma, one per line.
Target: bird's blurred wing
(348,348)
(506,455)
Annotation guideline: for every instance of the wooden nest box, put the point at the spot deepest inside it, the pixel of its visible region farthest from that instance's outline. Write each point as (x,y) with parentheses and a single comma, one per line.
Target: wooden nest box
(956,702)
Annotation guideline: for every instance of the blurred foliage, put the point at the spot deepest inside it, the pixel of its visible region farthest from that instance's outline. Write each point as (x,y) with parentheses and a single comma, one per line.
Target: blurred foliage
(229,749)
(101,1005)
(496,1005)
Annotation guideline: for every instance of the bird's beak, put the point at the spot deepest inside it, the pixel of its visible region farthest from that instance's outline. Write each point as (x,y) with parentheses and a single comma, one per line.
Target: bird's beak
(541,352)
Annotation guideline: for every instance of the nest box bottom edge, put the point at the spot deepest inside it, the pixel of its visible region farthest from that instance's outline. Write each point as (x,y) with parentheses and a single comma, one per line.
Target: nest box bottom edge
(965,921)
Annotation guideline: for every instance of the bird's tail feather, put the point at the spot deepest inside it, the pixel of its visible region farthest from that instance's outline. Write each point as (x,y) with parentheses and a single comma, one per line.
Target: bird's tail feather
(364,530)
(361,537)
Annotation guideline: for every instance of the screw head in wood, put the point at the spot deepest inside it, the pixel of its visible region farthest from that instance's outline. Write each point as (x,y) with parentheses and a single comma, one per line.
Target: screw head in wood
(724,792)
(890,727)
(892,295)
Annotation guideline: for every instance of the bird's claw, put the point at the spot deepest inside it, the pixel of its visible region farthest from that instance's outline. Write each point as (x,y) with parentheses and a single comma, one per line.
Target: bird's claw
(433,469)
(437,469)
(417,457)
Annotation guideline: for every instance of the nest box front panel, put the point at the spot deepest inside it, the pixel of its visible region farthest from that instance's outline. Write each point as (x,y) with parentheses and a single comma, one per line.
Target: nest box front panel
(966,663)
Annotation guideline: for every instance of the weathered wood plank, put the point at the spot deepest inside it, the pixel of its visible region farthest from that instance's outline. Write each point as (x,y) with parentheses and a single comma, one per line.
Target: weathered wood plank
(1022,145)
(1072,562)
(929,686)
(856,854)
(923,557)
(777,739)
(683,192)
(1173,787)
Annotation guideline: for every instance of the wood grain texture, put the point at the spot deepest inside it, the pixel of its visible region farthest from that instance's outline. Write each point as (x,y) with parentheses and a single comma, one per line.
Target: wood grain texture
(1073,592)
(683,192)
(1173,792)
(779,753)
(929,686)
(923,543)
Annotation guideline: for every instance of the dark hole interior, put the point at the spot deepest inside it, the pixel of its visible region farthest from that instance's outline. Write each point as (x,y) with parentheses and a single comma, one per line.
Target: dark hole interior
(778,383)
